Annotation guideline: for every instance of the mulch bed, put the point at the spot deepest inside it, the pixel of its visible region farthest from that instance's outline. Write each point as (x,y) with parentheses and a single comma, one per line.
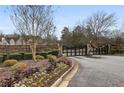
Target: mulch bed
(7,72)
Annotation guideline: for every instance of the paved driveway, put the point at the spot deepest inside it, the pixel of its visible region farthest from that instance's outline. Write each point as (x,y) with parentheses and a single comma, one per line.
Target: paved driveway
(99,71)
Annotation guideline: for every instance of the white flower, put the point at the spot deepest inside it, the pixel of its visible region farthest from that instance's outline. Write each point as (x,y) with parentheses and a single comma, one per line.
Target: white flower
(16,85)
(23,85)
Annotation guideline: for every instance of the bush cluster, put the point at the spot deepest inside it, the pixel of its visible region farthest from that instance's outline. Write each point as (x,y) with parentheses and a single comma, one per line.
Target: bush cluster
(26,56)
(64,60)
(39,58)
(17,77)
(41,79)
(10,62)
(44,54)
(34,77)
(51,58)
(16,56)
(117,51)
(1,59)
(19,67)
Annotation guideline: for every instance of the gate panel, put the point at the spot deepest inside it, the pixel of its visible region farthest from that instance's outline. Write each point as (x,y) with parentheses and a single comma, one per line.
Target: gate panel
(74,51)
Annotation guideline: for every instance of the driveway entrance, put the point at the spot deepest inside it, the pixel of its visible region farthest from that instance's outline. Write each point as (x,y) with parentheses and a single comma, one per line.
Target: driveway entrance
(99,71)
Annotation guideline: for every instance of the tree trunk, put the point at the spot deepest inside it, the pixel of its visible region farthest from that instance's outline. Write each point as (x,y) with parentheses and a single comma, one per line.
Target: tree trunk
(33,49)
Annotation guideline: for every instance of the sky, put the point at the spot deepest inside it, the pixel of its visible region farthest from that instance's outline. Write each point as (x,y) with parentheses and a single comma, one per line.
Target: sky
(66,15)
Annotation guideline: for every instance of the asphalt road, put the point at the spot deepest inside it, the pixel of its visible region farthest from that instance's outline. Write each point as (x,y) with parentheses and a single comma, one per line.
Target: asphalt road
(99,71)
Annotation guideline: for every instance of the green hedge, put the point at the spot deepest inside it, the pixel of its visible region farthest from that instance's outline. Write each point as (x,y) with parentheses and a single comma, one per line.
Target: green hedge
(54,52)
(117,51)
(26,56)
(44,54)
(1,59)
(16,56)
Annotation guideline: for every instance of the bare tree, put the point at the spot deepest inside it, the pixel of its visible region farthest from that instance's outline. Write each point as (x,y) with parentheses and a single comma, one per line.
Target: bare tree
(1,35)
(32,20)
(100,23)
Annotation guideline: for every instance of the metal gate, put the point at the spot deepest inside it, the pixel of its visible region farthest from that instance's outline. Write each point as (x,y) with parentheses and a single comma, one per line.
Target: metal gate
(83,51)
(75,51)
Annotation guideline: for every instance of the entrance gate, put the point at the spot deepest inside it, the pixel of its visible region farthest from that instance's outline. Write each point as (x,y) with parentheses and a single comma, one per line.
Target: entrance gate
(75,51)
(83,51)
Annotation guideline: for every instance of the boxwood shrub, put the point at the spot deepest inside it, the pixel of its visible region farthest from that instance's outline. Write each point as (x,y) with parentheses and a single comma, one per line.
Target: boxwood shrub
(4,57)
(27,56)
(54,52)
(44,54)
(16,56)
(1,59)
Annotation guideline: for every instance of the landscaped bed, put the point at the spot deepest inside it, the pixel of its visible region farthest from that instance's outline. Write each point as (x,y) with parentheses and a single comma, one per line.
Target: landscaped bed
(29,73)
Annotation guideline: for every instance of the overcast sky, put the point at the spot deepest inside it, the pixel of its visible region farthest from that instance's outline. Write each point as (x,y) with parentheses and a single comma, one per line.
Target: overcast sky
(64,16)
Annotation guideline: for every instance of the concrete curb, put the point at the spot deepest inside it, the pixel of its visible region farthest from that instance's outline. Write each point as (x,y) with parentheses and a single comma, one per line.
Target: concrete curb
(58,82)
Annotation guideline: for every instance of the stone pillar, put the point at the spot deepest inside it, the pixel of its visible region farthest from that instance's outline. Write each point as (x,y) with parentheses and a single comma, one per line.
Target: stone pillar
(109,48)
(89,48)
(60,48)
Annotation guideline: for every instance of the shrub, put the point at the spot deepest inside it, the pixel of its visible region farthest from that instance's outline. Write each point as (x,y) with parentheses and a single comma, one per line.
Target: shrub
(10,62)
(61,67)
(7,81)
(46,49)
(27,56)
(16,56)
(51,58)
(22,54)
(4,57)
(64,60)
(44,54)
(38,57)
(20,74)
(19,67)
(117,51)
(1,59)
(54,52)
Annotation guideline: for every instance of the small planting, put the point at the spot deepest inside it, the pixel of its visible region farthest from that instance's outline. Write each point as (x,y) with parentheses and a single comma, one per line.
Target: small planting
(10,62)
(39,58)
(19,67)
(28,73)
(64,60)
(51,58)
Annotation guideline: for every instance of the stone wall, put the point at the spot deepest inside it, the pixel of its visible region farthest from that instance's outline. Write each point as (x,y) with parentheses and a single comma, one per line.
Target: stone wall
(24,48)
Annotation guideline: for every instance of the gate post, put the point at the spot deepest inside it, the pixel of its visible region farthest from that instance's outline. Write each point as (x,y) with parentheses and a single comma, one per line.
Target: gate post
(71,51)
(108,49)
(99,50)
(86,50)
(60,48)
(75,51)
